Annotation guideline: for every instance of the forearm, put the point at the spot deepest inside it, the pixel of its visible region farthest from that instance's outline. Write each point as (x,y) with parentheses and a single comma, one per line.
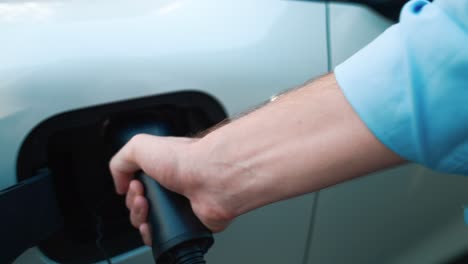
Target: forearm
(305,140)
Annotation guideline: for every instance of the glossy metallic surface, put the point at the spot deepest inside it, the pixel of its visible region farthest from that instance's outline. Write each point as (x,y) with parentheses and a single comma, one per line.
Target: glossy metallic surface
(62,55)
(403,215)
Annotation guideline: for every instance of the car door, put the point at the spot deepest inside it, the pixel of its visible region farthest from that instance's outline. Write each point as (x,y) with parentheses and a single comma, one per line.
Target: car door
(408,214)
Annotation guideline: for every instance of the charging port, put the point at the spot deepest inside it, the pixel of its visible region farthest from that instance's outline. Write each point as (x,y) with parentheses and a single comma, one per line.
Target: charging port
(74,146)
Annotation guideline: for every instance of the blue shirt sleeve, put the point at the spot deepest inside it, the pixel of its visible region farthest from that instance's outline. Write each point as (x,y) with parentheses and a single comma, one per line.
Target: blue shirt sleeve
(410,85)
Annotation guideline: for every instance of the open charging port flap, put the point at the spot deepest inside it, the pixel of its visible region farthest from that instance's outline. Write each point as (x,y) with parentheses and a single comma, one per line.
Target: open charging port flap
(74,146)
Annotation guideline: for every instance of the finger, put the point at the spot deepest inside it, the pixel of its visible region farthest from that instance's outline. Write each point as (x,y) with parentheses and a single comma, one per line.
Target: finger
(145,233)
(154,155)
(135,188)
(181,139)
(129,198)
(139,212)
(124,164)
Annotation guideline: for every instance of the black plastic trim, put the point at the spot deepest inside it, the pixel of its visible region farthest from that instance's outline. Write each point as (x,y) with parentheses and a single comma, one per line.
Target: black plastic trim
(387,8)
(30,215)
(36,142)
(74,146)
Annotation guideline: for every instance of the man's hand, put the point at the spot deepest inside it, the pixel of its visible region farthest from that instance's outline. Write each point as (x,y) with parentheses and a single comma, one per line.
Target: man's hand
(177,165)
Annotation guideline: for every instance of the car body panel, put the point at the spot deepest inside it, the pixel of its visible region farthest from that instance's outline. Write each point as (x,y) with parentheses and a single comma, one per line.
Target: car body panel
(104,60)
(404,215)
(63,55)
(74,54)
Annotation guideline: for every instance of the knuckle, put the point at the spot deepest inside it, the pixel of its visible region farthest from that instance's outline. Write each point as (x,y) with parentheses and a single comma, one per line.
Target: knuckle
(136,139)
(113,166)
(133,143)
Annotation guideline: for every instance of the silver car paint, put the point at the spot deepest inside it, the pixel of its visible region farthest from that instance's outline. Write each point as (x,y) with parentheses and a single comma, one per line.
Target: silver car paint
(405,215)
(62,55)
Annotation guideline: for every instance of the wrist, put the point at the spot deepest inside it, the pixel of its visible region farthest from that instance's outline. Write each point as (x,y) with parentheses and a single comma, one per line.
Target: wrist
(232,182)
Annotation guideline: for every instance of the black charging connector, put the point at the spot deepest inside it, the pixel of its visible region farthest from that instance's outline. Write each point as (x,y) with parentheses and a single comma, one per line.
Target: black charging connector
(178,236)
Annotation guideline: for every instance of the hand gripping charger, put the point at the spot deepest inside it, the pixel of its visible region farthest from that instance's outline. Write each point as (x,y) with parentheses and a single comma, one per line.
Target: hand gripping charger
(178,236)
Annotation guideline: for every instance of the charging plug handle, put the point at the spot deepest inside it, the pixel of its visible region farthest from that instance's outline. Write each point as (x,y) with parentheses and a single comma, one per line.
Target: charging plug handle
(178,236)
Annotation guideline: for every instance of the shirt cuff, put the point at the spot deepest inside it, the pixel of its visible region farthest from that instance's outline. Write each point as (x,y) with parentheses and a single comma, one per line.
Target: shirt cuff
(409,87)
(373,82)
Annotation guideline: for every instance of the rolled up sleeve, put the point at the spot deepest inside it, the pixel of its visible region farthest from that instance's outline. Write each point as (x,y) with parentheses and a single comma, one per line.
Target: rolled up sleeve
(410,85)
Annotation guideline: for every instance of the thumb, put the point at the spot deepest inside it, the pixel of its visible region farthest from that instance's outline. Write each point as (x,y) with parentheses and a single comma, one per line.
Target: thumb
(156,156)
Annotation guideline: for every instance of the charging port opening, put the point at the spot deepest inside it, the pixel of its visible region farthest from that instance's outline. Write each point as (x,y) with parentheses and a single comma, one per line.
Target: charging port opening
(74,146)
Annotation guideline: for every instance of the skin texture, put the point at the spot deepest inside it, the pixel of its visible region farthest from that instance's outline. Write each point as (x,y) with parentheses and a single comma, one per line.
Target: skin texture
(305,140)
